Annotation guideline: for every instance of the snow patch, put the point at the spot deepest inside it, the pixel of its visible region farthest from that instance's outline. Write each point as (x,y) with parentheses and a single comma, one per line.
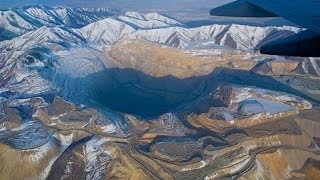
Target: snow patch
(64,139)
(110,128)
(39,153)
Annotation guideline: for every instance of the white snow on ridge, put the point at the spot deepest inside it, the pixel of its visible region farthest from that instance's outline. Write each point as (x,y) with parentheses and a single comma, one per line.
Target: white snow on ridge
(106,31)
(12,22)
(148,21)
(42,14)
(110,128)
(28,82)
(17,21)
(43,36)
(79,62)
(244,37)
(150,26)
(160,29)
(65,140)
(39,153)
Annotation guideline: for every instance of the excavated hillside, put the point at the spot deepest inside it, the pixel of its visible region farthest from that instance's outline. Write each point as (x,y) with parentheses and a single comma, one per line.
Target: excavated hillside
(168,114)
(158,61)
(142,96)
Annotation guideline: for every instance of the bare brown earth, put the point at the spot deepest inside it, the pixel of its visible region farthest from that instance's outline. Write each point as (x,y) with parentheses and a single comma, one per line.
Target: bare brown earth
(157,61)
(277,148)
(17,164)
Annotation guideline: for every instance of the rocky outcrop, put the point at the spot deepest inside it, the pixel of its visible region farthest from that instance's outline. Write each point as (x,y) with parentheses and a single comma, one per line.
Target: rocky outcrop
(159,61)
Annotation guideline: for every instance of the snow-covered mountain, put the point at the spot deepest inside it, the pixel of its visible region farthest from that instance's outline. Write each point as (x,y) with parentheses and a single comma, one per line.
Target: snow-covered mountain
(41,39)
(106,31)
(37,45)
(110,30)
(148,21)
(60,26)
(17,21)
(97,27)
(234,36)
(27,59)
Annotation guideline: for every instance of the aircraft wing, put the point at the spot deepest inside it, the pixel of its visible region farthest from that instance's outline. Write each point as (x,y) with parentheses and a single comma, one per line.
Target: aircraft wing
(305,13)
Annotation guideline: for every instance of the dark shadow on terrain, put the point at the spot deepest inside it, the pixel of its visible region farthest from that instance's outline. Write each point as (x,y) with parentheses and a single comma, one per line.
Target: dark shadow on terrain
(58,167)
(131,91)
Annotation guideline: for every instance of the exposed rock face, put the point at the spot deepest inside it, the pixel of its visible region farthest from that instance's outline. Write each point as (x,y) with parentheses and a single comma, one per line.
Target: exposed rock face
(311,169)
(283,67)
(158,61)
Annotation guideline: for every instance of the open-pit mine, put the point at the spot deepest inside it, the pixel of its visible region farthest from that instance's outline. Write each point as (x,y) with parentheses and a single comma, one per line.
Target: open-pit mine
(142,104)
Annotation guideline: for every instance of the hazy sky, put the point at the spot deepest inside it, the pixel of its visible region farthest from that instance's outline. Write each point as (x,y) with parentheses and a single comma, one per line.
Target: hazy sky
(126,4)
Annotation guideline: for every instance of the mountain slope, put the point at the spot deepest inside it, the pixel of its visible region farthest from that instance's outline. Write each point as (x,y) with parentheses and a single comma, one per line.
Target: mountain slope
(26,60)
(106,31)
(150,26)
(17,21)
(234,36)
(160,29)
(148,21)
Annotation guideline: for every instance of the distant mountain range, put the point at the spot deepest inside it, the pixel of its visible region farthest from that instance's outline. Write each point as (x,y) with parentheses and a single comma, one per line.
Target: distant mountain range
(105,26)
(17,21)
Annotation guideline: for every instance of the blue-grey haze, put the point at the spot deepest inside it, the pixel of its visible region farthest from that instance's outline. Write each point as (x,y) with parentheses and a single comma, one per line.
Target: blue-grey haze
(125,4)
